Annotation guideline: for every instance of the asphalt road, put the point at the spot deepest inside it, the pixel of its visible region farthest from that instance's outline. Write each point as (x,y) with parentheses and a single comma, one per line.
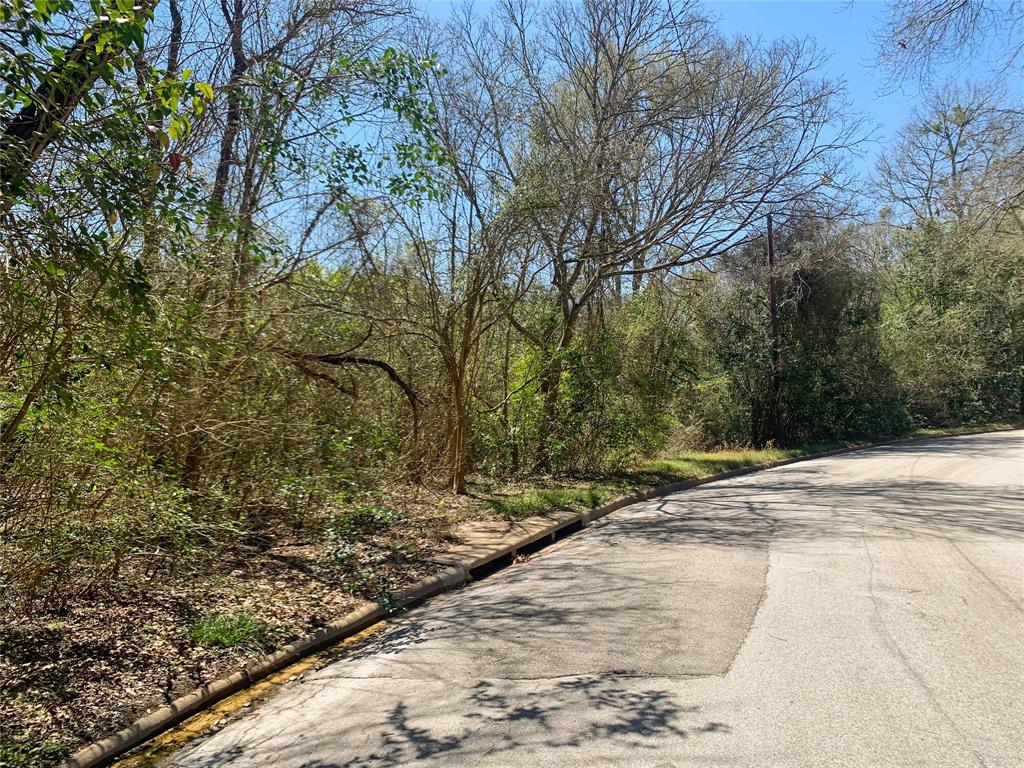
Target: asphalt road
(860,610)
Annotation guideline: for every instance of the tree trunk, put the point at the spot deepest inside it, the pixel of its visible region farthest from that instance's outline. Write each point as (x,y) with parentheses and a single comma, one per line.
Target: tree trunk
(1020,386)
(773,312)
(233,119)
(506,417)
(151,228)
(458,445)
(549,386)
(192,466)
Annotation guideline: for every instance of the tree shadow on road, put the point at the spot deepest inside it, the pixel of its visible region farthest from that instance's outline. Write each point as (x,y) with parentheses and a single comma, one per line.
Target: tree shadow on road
(495,722)
(801,506)
(502,719)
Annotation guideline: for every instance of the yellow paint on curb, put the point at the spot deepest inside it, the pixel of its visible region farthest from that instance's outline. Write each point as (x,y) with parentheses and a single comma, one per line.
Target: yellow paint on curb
(197,725)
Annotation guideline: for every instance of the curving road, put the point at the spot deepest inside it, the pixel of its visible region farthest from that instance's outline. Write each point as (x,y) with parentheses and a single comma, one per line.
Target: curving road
(860,610)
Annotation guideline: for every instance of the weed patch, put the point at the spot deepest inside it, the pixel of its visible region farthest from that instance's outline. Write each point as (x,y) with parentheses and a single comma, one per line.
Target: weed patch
(225,629)
(540,501)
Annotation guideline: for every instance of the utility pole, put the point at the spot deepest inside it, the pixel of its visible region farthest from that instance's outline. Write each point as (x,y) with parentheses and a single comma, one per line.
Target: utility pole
(773,312)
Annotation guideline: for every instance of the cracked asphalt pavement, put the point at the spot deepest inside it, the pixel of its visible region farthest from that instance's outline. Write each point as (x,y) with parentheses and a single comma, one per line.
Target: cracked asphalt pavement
(858,610)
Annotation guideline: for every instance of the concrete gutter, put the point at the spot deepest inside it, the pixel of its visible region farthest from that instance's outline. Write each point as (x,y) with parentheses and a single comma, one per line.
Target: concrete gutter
(103,752)
(487,547)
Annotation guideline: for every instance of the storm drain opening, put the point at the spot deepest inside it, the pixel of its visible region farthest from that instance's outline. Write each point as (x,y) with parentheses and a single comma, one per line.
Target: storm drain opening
(495,565)
(537,545)
(530,548)
(568,530)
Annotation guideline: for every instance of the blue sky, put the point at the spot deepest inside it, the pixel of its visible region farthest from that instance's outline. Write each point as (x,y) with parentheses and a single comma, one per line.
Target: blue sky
(843,31)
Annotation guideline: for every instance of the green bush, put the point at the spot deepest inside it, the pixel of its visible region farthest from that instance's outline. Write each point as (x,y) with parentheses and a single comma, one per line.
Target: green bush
(29,754)
(363,520)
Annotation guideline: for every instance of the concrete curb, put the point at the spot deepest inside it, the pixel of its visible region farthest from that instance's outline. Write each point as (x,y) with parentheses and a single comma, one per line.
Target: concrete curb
(106,750)
(463,562)
(474,558)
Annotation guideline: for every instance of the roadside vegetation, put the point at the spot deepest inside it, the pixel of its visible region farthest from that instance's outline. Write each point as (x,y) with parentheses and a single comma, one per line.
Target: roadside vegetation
(224,629)
(291,289)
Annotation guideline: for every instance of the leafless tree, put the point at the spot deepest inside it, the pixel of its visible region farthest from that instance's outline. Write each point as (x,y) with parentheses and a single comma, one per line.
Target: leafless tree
(634,139)
(960,154)
(920,36)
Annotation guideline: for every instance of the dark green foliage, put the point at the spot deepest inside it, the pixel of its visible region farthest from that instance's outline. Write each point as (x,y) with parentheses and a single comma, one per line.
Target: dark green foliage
(956,325)
(29,754)
(360,521)
(618,379)
(838,382)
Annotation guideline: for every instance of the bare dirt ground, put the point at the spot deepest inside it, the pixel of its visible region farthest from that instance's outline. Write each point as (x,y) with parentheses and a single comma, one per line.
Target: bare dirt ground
(119,652)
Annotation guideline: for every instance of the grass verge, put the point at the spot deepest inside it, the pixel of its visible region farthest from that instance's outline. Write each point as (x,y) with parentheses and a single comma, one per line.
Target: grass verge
(990,426)
(537,502)
(689,465)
